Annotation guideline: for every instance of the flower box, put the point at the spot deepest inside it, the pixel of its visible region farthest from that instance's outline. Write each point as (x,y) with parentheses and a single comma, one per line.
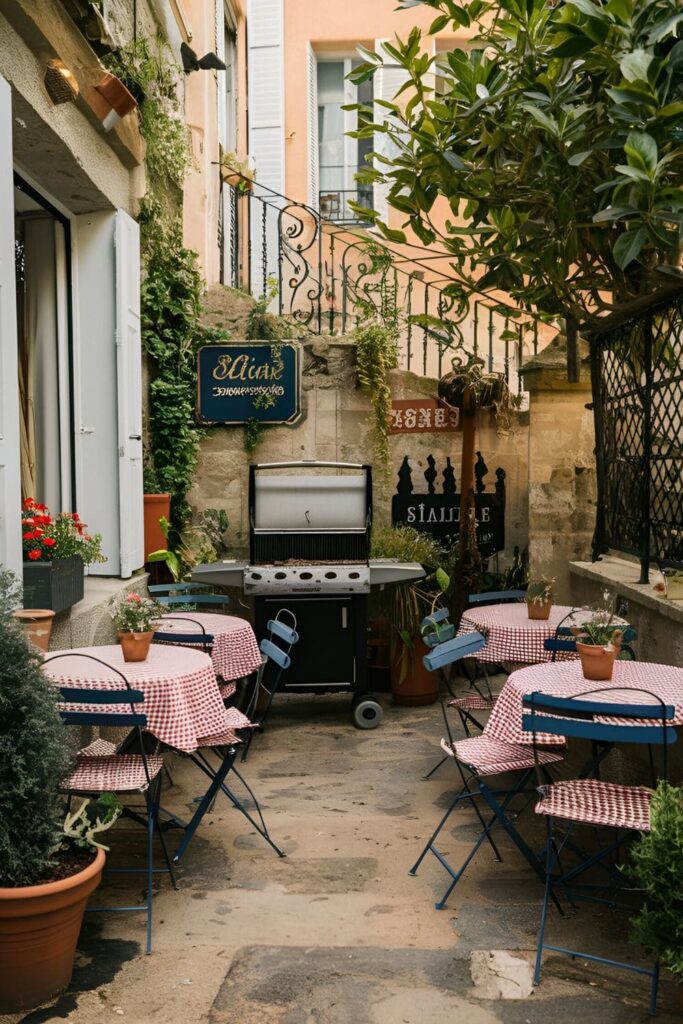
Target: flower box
(56,585)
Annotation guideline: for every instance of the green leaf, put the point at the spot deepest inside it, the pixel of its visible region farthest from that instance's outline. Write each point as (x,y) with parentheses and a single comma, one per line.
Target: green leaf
(627,247)
(542,118)
(443,580)
(635,66)
(615,213)
(641,151)
(393,234)
(576,159)
(665,28)
(590,9)
(574,46)
(438,24)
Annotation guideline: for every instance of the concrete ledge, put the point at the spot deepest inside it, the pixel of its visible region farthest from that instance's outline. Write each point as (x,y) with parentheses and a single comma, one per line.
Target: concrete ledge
(658,621)
(89,622)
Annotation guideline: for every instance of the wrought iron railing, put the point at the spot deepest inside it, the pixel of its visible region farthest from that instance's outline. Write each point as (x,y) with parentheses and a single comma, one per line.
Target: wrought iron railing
(637,375)
(326,272)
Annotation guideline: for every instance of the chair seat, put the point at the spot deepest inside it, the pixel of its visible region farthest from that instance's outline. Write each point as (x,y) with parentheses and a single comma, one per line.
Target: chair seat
(98,748)
(472,702)
(227,738)
(120,773)
(598,803)
(494,757)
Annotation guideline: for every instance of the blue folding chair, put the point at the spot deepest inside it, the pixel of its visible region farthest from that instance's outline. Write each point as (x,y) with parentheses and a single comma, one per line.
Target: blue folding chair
(168,589)
(197,637)
(562,645)
(276,661)
(590,801)
(194,601)
(117,773)
(477,759)
(496,597)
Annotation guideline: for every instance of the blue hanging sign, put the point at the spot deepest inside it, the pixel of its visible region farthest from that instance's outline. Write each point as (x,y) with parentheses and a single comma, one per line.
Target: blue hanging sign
(255,380)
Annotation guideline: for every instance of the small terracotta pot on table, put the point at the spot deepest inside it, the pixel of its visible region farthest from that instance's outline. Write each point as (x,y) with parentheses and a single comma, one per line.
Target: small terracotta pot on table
(135,646)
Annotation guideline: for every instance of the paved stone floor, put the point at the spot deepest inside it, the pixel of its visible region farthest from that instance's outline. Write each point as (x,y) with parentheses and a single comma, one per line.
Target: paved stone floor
(338,932)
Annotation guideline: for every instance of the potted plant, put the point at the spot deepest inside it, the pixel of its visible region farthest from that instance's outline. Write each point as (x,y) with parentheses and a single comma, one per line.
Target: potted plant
(134,619)
(240,174)
(157,506)
(657,859)
(55,551)
(539,597)
(671,584)
(45,882)
(404,606)
(598,642)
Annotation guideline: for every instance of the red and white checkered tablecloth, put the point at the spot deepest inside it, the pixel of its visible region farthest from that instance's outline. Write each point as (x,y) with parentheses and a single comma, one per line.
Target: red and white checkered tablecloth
(182,700)
(565,679)
(235,650)
(512,636)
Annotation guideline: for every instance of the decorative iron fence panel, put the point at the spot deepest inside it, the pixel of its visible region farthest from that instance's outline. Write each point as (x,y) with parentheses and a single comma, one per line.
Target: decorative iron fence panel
(637,375)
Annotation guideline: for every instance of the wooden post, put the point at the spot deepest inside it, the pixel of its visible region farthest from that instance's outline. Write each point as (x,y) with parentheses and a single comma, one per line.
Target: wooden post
(467,468)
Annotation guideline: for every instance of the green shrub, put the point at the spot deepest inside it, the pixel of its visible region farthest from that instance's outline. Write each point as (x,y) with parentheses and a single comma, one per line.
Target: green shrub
(34,757)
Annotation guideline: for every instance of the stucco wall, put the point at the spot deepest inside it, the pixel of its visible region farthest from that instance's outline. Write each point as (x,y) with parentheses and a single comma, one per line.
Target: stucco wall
(335,426)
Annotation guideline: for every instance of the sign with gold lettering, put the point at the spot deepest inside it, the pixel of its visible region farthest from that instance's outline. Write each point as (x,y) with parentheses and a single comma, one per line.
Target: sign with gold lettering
(422,416)
(249,380)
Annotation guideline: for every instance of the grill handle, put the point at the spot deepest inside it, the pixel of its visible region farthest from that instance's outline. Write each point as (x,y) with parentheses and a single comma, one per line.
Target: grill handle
(308,462)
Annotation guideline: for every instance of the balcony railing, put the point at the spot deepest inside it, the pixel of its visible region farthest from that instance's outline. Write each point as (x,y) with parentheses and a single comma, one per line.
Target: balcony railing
(335,205)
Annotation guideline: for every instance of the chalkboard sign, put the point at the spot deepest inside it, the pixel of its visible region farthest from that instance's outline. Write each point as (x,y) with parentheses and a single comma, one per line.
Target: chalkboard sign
(251,380)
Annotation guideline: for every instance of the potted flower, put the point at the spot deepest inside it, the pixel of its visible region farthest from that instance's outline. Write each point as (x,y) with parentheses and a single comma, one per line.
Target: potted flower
(240,174)
(134,619)
(55,551)
(45,881)
(656,859)
(404,606)
(671,584)
(598,642)
(539,597)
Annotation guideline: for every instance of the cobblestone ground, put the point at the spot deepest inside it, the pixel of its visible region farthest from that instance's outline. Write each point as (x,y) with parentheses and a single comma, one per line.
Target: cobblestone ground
(338,932)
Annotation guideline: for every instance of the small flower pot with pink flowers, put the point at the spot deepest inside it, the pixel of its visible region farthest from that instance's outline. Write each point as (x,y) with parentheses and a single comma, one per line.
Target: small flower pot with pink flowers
(56,548)
(134,619)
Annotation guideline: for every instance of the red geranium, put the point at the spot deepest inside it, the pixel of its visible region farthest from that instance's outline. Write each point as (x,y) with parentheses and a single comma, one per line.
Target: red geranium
(34,554)
(60,537)
(49,542)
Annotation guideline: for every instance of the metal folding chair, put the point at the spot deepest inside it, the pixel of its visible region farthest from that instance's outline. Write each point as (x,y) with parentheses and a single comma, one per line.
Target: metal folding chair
(496,597)
(99,770)
(195,600)
(563,645)
(590,801)
(477,759)
(193,638)
(276,661)
(167,589)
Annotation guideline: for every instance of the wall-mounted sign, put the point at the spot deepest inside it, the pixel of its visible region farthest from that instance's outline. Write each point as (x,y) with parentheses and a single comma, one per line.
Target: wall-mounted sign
(439,514)
(251,380)
(422,416)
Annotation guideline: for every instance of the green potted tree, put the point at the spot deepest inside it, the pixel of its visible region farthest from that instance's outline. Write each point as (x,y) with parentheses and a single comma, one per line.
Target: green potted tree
(539,597)
(44,882)
(403,606)
(657,858)
(56,548)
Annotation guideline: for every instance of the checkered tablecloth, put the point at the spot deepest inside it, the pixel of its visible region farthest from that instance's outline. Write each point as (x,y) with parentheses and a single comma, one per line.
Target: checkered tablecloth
(182,700)
(235,650)
(512,636)
(565,679)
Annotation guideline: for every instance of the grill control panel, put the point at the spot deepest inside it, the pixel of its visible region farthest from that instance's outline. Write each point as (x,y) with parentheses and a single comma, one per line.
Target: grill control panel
(307,579)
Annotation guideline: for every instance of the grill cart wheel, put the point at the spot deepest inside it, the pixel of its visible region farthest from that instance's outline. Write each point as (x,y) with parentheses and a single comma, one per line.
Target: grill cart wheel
(366,711)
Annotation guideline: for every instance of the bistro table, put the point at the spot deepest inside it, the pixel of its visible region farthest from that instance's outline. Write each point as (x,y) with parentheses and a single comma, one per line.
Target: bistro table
(565,679)
(235,650)
(183,703)
(512,636)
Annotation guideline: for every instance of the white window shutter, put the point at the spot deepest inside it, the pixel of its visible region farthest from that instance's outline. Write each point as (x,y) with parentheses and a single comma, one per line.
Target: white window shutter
(266,131)
(313,148)
(388,80)
(10,483)
(129,385)
(220,75)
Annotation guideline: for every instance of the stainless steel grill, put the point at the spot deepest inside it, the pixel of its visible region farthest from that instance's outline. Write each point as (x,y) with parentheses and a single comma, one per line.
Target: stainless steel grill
(309,545)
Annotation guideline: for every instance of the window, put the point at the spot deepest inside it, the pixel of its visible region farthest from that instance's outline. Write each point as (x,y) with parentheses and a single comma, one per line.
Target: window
(340,157)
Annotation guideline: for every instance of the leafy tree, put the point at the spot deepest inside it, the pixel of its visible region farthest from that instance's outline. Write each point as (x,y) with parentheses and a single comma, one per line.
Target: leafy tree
(556,138)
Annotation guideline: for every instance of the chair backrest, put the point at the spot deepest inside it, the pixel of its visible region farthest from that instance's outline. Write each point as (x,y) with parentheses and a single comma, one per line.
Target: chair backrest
(496,597)
(585,718)
(195,599)
(453,650)
(176,588)
(191,638)
(276,648)
(435,628)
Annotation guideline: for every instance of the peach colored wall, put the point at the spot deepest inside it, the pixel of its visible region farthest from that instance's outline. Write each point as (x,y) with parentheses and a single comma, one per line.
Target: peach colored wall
(201,194)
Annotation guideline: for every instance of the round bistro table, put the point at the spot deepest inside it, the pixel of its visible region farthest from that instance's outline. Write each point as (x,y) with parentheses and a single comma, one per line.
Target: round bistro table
(512,636)
(183,703)
(235,650)
(565,679)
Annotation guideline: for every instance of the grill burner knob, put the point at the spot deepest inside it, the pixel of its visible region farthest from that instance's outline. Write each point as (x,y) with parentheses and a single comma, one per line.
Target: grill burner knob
(354,575)
(280,575)
(306,575)
(256,576)
(330,575)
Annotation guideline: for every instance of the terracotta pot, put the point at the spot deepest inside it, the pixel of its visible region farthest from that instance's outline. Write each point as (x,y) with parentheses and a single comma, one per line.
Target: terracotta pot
(39,926)
(117,96)
(135,646)
(411,683)
(597,662)
(539,611)
(37,623)
(156,506)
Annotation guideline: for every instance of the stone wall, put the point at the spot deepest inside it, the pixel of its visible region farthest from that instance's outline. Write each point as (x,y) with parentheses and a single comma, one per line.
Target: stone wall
(335,426)
(562,495)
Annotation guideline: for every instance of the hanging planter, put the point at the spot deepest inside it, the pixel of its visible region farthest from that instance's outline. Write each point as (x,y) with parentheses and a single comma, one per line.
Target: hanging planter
(239,174)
